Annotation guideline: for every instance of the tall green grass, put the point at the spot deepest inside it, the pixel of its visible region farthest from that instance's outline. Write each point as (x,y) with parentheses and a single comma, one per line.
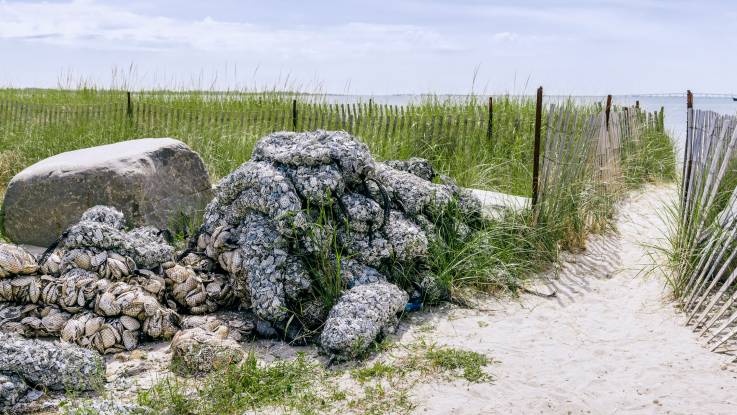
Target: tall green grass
(453,134)
(697,244)
(223,127)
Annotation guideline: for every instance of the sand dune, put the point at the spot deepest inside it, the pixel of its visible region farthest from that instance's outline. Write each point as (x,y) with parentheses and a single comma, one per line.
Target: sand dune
(610,342)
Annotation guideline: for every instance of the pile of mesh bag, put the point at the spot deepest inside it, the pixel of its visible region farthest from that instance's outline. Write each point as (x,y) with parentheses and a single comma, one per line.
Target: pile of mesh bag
(103,287)
(312,238)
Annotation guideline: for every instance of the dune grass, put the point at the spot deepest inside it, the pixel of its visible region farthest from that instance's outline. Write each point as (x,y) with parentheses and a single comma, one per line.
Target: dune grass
(494,255)
(453,134)
(223,127)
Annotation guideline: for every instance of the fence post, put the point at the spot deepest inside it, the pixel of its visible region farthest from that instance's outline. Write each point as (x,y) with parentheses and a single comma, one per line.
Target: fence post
(490,127)
(608,109)
(536,151)
(686,175)
(294,114)
(129,108)
(637,104)
(661,123)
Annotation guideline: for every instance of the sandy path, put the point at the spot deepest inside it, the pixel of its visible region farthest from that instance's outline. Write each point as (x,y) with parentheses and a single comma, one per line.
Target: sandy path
(609,344)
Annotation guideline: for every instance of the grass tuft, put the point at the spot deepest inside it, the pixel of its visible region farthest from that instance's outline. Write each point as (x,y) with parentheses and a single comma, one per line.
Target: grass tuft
(468,362)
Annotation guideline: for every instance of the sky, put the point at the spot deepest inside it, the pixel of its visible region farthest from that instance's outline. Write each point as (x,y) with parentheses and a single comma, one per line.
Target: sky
(374,47)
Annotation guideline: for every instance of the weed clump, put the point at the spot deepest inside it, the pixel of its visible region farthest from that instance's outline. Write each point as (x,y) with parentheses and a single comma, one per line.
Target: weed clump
(468,362)
(303,385)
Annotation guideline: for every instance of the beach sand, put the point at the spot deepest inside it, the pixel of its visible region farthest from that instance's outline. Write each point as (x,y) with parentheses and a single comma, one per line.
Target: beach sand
(610,342)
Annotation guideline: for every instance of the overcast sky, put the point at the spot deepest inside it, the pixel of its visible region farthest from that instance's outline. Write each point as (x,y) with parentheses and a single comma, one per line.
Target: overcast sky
(376,47)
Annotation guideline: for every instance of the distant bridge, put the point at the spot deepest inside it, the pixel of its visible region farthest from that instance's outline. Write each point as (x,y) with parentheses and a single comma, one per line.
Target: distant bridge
(682,94)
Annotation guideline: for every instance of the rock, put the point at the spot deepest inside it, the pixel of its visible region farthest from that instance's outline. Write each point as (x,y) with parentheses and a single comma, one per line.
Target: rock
(53,365)
(360,316)
(150,180)
(493,204)
(197,350)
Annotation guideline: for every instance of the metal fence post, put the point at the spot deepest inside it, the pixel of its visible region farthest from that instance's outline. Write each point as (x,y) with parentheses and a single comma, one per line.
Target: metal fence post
(536,151)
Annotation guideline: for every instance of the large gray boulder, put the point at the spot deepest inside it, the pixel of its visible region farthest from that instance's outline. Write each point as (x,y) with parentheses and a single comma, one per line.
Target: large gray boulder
(151,180)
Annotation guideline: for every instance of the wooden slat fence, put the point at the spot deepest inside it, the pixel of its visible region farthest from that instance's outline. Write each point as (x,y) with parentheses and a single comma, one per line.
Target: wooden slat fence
(390,131)
(707,232)
(582,153)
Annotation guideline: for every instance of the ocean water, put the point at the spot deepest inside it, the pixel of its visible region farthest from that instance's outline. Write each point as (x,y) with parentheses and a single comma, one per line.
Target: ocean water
(675,109)
(673,106)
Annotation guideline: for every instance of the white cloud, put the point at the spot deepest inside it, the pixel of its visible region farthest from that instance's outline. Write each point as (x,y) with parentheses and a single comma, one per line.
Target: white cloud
(570,46)
(88,24)
(505,37)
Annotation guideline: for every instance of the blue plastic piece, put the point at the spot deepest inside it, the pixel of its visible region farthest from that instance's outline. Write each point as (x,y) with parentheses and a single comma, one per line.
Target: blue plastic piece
(412,306)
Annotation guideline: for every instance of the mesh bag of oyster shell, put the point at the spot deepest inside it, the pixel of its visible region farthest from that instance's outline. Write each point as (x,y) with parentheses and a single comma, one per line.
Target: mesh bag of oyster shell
(12,390)
(239,324)
(54,365)
(50,263)
(84,244)
(144,246)
(122,299)
(106,335)
(22,289)
(104,214)
(106,264)
(198,350)
(260,265)
(32,320)
(310,199)
(198,292)
(15,260)
(417,166)
(99,406)
(75,290)
(361,315)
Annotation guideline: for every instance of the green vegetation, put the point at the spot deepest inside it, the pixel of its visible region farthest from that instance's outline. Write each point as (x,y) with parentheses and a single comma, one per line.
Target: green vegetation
(376,371)
(304,386)
(700,240)
(453,134)
(223,127)
(238,388)
(466,255)
(651,161)
(496,256)
(470,363)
